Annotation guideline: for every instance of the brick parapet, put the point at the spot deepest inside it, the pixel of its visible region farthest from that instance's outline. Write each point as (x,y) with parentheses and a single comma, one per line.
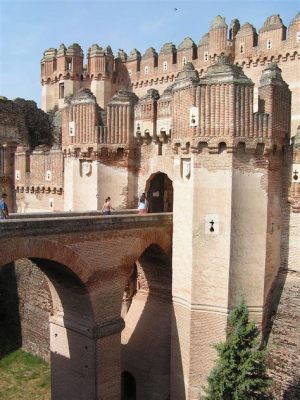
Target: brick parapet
(36,226)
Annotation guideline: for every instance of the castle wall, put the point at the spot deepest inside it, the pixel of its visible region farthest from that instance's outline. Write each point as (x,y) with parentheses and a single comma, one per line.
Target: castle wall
(39,180)
(26,303)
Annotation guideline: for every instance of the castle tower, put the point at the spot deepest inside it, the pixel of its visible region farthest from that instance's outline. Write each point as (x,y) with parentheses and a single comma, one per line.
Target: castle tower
(167,58)
(62,73)
(226,237)
(218,35)
(48,68)
(82,132)
(272,33)
(294,31)
(133,64)
(245,40)
(186,52)
(100,70)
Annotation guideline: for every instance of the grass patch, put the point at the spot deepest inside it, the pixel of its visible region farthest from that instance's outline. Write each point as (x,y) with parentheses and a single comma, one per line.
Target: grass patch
(24,377)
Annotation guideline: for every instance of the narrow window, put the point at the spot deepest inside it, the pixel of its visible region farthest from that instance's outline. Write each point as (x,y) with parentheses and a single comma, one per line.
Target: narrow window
(206,56)
(269,44)
(69,64)
(27,162)
(165,66)
(242,48)
(48,175)
(61,90)
(146,70)
(18,175)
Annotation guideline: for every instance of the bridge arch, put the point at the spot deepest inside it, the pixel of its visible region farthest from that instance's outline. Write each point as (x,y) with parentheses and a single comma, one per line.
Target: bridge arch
(32,247)
(146,339)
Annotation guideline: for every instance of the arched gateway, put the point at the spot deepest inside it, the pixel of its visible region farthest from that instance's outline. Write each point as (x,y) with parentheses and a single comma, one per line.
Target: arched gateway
(159,190)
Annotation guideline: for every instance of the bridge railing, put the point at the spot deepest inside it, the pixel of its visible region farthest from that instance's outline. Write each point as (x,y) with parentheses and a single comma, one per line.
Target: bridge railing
(54,224)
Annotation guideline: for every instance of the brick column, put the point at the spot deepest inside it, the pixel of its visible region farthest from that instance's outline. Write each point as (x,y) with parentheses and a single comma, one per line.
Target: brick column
(85,359)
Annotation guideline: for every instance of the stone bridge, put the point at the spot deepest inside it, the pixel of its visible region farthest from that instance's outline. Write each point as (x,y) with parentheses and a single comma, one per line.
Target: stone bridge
(87,260)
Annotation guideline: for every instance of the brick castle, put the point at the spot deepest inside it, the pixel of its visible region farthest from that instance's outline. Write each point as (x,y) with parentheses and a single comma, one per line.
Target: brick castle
(209,132)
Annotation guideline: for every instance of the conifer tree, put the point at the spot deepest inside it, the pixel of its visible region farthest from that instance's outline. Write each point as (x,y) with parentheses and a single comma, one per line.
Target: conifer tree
(240,371)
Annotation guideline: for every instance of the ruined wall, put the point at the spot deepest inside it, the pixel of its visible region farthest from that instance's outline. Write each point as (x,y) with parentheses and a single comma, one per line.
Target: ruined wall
(25,305)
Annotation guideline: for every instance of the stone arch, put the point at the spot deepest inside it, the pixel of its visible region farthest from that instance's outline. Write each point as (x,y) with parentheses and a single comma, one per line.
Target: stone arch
(149,317)
(71,318)
(159,191)
(128,386)
(18,248)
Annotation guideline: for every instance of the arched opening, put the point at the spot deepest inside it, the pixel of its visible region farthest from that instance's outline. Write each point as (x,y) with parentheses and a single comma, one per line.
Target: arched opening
(159,189)
(128,386)
(146,338)
(44,309)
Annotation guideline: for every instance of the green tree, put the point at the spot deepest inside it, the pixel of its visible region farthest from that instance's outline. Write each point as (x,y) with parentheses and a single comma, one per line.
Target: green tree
(240,371)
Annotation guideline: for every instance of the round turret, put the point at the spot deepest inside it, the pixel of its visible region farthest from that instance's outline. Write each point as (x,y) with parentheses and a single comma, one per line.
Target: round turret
(186,44)
(74,50)
(296,19)
(95,50)
(149,53)
(204,41)
(134,55)
(272,75)
(49,54)
(61,51)
(167,48)
(271,23)
(225,71)
(218,22)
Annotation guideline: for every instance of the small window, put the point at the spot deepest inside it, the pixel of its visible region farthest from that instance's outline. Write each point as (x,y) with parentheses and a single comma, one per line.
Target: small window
(129,73)
(146,70)
(72,128)
(18,175)
(61,90)
(206,56)
(269,44)
(165,66)
(48,175)
(27,162)
(51,203)
(68,64)
(298,37)
(242,48)
(183,60)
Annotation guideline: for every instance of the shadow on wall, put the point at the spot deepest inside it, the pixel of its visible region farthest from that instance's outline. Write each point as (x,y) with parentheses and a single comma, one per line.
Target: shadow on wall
(282,308)
(72,350)
(146,339)
(10,332)
(293,391)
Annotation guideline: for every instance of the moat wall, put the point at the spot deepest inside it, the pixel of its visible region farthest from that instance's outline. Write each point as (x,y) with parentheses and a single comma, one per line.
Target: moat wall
(25,304)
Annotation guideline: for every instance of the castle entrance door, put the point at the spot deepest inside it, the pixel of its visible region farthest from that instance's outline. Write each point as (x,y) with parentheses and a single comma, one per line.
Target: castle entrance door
(159,190)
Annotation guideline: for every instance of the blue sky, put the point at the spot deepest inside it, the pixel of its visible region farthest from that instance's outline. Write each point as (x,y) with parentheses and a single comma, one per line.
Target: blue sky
(28,27)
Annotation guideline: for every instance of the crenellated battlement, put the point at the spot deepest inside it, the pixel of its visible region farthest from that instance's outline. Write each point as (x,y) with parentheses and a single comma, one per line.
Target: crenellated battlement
(273,42)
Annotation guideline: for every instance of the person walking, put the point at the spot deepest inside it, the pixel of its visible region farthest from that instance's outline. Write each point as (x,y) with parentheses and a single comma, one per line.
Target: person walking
(3,207)
(107,207)
(143,204)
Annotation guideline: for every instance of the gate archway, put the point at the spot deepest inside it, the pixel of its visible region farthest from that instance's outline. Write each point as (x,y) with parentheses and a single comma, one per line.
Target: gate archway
(159,190)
